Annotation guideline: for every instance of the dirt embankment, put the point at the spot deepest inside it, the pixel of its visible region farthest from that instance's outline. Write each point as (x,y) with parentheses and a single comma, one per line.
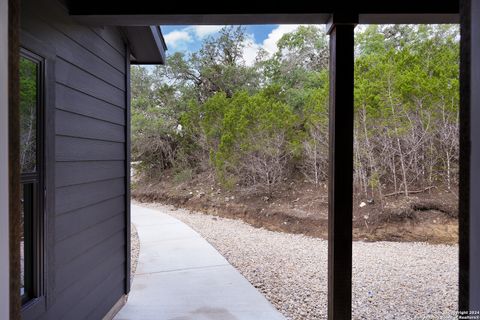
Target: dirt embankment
(301,207)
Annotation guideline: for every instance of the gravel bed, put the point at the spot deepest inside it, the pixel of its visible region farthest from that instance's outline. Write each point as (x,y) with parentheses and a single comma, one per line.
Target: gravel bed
(135,251)
(390,280)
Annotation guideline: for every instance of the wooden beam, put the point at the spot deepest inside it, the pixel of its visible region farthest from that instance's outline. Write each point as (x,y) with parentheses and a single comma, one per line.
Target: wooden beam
(340,179)
(285,18)
(268,8)
(145,13)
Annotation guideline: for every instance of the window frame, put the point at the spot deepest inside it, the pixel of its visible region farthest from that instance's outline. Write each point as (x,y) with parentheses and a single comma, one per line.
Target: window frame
(44,280)
(33,274)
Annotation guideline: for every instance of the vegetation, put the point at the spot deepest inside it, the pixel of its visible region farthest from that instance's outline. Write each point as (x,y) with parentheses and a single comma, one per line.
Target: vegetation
(28,114)
(258,125)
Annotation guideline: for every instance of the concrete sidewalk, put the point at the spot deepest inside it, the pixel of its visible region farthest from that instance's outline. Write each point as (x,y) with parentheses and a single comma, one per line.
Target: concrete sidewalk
(180,276)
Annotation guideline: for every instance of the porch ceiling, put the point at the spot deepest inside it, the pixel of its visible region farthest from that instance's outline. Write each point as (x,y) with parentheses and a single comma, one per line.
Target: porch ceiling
(146,12)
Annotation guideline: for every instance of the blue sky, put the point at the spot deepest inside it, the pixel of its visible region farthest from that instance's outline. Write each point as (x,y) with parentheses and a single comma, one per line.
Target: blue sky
(188,38)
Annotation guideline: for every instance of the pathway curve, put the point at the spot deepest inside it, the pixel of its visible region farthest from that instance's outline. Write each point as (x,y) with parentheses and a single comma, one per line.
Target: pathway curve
(180,276)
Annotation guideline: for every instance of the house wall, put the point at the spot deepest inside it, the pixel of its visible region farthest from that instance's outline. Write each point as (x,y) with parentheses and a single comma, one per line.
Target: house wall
(4,195)
(88,255)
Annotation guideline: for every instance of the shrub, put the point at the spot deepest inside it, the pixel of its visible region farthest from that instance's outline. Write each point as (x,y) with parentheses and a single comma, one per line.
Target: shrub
(251,138)
(183,175)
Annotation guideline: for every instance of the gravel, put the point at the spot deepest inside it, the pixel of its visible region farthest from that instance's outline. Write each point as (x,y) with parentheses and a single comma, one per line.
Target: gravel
(390,280)
(135,251)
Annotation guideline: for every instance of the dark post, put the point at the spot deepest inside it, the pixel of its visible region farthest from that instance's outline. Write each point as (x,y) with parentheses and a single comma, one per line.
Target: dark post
(464,186)
(340,179)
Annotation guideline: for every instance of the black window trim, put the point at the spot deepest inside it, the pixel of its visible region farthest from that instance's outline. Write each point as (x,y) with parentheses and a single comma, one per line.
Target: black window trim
(34,48)
(35,181)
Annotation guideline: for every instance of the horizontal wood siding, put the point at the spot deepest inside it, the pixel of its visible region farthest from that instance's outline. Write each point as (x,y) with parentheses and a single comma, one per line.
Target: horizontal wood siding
(69,99)
(86,37)
(94,276)
(70,248)
(73,272)
(110,286)
(84,195)
(105,305)
(78,55)
(74,77)
(90,153)
(68,224)
(81,149)
(72,173)
(74,125)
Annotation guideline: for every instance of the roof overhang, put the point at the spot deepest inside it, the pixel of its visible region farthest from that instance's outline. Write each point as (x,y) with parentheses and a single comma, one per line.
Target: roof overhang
(147,45)
(140,21)
(146,12)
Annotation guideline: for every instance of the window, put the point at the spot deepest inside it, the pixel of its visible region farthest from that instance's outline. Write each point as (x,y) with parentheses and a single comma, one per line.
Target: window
(32,172)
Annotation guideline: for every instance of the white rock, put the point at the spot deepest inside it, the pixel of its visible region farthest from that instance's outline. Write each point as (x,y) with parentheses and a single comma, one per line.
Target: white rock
(405,280)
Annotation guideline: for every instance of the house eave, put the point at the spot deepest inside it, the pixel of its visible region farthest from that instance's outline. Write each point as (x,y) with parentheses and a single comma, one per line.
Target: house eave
(147,44)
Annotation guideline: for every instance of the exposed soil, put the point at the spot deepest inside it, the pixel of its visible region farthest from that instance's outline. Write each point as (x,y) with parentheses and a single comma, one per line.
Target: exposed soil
(301,207)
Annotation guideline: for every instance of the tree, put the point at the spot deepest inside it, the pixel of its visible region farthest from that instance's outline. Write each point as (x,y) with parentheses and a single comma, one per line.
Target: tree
(217,67)
(256,125)
(28,114)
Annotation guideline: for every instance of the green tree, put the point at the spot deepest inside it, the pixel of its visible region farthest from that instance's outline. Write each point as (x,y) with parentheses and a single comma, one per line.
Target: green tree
(255,125)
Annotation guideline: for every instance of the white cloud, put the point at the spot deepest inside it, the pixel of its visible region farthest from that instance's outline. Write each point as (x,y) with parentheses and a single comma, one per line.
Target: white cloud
(203,31)
(250,50)
(177,38)
(180,38)
(270,43)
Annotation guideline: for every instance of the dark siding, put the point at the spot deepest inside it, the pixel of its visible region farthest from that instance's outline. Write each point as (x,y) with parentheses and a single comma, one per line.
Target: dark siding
(69,99)
(80,220)
(90,154)
(110,286)
(78,55)
(92,278)
(80,149)
(112,37)
(70,248)
(85,195)
(81,80)
(74,125)
(106,305)
(72,173)
(75,271)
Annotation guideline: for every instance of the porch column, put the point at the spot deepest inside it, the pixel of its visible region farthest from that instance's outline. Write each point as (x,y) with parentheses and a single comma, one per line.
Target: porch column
(469,202)
(464,174)
(340,179)
(4,211)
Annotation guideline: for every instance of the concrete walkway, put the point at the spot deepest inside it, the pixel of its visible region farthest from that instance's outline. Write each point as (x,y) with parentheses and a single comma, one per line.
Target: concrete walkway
(180,276)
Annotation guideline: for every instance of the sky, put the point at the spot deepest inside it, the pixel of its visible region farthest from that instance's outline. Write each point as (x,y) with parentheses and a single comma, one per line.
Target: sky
(188,38)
